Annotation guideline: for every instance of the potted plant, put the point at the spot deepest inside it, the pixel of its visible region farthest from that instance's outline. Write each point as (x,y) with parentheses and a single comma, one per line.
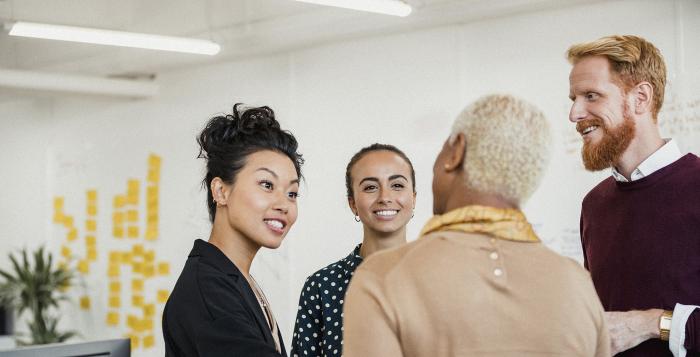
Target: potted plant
(36,287)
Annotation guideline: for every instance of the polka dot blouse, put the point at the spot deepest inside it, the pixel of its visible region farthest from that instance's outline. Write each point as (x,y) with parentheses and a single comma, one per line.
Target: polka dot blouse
(318,330)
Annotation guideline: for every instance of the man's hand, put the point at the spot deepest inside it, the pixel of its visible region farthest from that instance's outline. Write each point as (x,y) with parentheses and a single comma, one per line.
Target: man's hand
(630,328)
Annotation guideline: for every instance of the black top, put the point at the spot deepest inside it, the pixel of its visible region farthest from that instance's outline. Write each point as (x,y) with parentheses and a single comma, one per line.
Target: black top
(318,330)
(212,311)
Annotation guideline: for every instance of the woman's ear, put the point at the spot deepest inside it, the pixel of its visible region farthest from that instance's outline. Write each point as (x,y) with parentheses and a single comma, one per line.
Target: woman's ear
(219,191)
(351,204)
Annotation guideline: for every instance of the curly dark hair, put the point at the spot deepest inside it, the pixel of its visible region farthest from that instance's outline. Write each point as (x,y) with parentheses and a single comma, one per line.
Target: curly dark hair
(366,150)
(227,140)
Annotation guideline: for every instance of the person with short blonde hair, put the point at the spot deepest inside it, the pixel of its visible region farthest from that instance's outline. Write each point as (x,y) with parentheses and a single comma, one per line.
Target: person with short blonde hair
(495,126)
(478,282)
(639,227)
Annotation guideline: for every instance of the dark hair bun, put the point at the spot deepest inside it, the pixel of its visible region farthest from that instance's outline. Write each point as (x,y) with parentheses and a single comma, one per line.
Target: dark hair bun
(225,130)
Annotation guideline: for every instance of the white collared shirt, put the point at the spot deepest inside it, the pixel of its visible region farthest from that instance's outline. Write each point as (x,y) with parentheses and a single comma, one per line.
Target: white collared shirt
(664,156)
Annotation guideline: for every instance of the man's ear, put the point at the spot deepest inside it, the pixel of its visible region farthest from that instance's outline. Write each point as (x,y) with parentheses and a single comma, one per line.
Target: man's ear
(219,191)
(456,153)
(643,97)
(353,207)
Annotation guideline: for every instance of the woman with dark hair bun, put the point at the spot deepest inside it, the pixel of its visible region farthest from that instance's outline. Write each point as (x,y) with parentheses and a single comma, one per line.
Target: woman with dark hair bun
(252,179)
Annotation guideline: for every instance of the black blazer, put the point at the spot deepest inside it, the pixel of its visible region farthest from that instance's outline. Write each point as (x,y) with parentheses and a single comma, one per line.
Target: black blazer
(212,311)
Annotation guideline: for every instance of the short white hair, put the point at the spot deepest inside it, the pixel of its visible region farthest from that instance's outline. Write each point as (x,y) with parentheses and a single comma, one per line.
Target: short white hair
(507,146)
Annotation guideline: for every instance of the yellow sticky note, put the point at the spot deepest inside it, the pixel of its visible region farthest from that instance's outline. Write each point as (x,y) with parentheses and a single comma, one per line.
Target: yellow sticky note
(134,342)
(58,217)
(149,310)
(137,267)
(163,268)
(92,254)
(115,257)
(90,241)
(115,287)
(132,215)
(113,270)
(152,216)
(90,225)
(85,303)
(153,176)
(92,210)
(154,160)
(163,296)
(115,302)
(118,232)
(151,234)
(132,321)
(137,249)
(91,195)
(132,185)
(133,232)
(137,300)
(149,256)
(132,199)
(149,270)
(148,341)
(119,201)
(152,193)
(72,234)
(58,204)
(118,218)
(65,252)
(112,318)
(147,324)
(83,266)
(137,285)
(68,221)
(127,258)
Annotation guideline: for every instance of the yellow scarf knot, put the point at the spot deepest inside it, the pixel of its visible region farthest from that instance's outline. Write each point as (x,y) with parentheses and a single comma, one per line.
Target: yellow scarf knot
(503,223)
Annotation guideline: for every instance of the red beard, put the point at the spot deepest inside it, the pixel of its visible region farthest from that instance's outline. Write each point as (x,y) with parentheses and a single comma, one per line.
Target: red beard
(612,145)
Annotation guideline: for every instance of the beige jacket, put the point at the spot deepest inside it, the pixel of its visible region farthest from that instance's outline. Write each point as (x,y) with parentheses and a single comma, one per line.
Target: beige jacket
(463,294)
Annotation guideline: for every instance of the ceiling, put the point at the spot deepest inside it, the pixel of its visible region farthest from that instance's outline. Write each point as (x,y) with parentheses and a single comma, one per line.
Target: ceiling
(243,28)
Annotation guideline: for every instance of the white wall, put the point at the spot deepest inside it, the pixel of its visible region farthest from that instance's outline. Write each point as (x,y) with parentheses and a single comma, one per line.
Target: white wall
(403,89)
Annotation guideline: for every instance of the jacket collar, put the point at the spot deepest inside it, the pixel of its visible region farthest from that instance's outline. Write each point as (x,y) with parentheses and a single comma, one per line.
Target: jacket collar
(211,255)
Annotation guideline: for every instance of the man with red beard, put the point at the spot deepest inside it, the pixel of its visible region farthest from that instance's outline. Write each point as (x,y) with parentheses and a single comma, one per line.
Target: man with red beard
(640,228)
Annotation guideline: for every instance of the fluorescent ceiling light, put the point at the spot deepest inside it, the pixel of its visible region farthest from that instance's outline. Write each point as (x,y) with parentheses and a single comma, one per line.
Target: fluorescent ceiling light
(58,82)
(388,7)
(114,38)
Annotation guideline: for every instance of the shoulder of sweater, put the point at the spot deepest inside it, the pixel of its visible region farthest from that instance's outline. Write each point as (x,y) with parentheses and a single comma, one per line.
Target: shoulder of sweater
(603,186)
(385,261)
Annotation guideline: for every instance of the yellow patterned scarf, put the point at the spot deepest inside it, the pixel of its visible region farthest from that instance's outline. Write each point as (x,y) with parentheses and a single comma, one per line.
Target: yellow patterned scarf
(509,224)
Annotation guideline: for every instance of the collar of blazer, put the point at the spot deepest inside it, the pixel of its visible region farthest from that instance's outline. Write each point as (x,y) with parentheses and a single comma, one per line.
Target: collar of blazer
(211,255)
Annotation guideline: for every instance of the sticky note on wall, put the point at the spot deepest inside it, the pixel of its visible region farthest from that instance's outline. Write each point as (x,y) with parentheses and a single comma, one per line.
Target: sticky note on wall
(163,268)
(112,318)
(115,302)
(163,296)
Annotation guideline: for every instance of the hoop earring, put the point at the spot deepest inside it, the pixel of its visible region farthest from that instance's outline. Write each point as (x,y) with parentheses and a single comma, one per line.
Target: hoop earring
(357,218)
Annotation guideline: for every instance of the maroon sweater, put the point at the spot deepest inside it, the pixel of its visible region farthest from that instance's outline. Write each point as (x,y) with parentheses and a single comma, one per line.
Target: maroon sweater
(641,243)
